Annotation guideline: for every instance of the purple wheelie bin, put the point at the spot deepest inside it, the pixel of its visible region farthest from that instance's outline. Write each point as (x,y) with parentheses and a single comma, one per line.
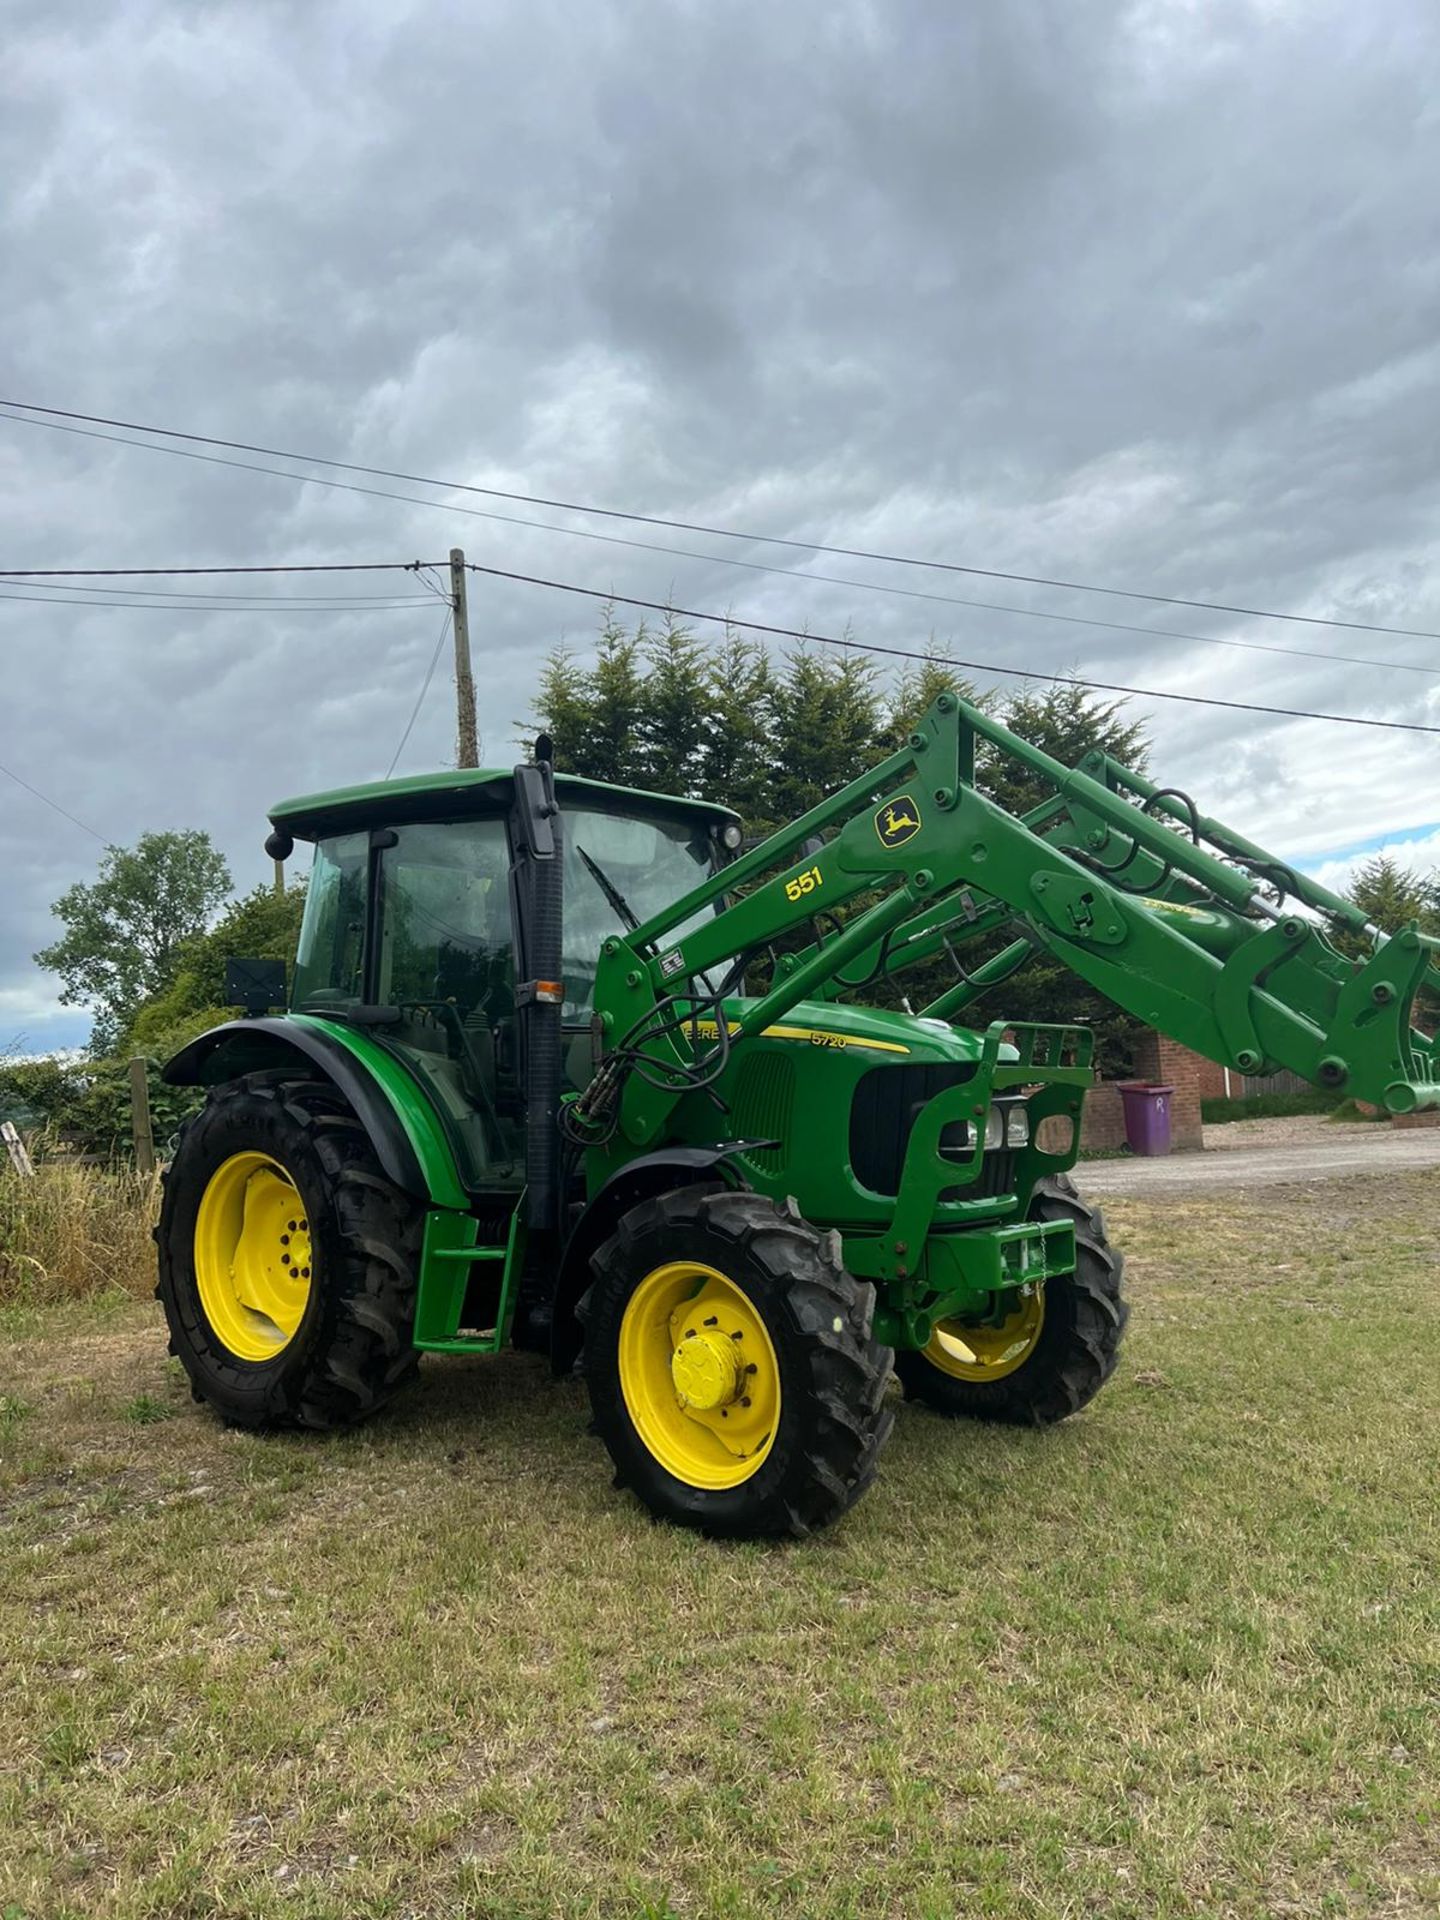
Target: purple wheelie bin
(1147,1116)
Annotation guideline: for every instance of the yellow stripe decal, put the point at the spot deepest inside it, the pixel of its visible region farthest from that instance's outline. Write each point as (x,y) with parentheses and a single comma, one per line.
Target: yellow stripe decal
(1176,906)
(816,1036)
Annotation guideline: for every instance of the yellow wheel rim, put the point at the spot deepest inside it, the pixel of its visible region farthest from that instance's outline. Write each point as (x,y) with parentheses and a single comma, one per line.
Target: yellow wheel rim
(253,1262)
(699,1375)
(989,1353)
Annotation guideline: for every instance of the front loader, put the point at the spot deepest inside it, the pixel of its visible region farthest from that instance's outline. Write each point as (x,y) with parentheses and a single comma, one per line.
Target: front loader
(565,1069)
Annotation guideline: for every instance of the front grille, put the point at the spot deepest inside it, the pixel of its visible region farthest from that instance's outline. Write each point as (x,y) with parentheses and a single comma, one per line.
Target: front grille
(883,1113)
(997,1175)
(762,1105)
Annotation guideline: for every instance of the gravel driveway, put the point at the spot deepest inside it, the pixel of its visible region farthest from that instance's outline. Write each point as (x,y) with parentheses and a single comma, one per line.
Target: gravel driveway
(1259,1153)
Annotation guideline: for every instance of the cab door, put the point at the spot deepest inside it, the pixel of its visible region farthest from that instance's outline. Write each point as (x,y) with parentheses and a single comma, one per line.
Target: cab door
(445,961)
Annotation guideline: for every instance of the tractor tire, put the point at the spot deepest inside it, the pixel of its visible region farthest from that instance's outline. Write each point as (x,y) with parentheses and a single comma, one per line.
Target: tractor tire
(287,1259)
(1053,1355)
(732,1371)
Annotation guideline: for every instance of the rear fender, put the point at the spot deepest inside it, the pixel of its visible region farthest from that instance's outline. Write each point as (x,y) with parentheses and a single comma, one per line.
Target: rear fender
(401,1124)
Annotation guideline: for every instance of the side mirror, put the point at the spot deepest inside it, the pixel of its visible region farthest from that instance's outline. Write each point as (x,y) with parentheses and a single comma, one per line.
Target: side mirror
(255,985)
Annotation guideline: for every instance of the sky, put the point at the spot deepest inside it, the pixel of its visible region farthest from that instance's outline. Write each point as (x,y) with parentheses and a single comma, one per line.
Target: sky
(1140,295)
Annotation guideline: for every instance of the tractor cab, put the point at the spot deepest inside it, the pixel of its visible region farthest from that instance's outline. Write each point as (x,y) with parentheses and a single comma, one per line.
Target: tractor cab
(414,919)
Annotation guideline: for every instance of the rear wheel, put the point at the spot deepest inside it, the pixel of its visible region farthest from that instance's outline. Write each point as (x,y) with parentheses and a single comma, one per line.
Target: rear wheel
(287,1259)
(731,1367)
(1050,1353)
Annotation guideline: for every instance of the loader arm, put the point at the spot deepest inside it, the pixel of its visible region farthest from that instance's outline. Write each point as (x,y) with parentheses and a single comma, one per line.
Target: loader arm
(1179,920)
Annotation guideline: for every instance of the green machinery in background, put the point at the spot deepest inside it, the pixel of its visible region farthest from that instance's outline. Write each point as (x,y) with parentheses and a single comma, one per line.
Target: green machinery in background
(564,1068)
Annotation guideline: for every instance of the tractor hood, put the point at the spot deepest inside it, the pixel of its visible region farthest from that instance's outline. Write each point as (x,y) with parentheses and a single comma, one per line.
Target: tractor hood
(898,1036)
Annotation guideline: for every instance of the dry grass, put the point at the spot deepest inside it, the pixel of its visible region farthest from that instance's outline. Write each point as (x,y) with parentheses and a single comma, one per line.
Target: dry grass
(1178,1658)
(72,1231)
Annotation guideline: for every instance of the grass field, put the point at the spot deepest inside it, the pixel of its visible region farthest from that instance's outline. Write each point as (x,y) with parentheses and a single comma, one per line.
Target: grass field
(1180,1657)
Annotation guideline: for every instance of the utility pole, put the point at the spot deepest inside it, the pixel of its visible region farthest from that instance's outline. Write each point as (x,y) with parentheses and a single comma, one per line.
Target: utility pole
(467,750)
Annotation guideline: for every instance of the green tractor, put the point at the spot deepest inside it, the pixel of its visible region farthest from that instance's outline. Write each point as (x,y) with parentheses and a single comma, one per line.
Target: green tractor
(568,1068)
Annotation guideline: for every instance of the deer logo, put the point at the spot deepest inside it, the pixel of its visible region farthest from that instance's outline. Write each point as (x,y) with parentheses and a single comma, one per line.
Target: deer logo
(897,821)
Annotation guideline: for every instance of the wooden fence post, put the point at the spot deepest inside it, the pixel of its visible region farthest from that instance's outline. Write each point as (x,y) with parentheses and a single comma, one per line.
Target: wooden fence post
(140,1127)
(19,1158)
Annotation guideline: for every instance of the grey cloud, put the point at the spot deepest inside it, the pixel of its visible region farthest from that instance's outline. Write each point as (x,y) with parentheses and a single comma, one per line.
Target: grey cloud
(1143,294)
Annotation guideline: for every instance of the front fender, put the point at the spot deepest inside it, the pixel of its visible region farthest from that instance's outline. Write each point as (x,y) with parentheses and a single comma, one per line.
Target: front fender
(388,1102)
(627,1187)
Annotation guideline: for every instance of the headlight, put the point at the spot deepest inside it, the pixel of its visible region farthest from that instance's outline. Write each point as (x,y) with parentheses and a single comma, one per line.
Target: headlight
(731,834)
(1005,1126)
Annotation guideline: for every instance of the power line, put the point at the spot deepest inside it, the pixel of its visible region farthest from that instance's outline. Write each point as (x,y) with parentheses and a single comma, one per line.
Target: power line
(751,566)
(228,599)
(424,689)
(156,573)
(908,593)
(970,666)
(190,606)
(54,805)
(56,414)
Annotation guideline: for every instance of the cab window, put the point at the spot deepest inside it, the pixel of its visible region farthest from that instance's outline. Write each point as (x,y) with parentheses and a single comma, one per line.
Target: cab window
(446,963)
(330,955)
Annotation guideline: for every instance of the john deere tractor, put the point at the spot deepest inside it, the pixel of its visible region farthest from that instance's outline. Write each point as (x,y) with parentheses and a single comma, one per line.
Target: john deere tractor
(567,1067)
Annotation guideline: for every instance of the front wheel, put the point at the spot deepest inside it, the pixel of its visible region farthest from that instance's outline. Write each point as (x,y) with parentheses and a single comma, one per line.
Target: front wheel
(1054,1349)
(731,1367)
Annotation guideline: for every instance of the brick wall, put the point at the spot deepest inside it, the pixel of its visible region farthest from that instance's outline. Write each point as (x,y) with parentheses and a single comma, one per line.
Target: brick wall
(1167,1064)
(1212,1081)
(1102,1123)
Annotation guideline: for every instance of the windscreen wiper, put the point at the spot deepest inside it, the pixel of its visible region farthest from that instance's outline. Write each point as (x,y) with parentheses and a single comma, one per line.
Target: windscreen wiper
(611,892)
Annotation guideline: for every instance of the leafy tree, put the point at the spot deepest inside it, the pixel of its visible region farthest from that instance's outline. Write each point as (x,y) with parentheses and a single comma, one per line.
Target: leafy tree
(83,1105)
(596,717)
(673,718)
(612,742)
(915,693)
(125,932)
(738,759)
(563,710)
(827,726)
(772,738)
(263,925)
(1393,897)
(84,1102)
(1066,721)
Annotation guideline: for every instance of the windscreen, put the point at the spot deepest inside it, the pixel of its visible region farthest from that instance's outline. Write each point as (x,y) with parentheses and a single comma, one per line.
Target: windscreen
(648,862)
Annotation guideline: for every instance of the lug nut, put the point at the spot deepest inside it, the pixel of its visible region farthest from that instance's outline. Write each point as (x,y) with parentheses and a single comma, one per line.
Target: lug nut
(713,1321)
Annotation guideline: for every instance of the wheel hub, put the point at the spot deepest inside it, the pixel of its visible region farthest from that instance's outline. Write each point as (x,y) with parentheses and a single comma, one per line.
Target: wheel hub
(253,1256)
(989,1352)
(707,1371)
(700,1374)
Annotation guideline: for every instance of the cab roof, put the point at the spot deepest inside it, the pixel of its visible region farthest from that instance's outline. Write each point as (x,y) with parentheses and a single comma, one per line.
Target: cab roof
(462,794)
